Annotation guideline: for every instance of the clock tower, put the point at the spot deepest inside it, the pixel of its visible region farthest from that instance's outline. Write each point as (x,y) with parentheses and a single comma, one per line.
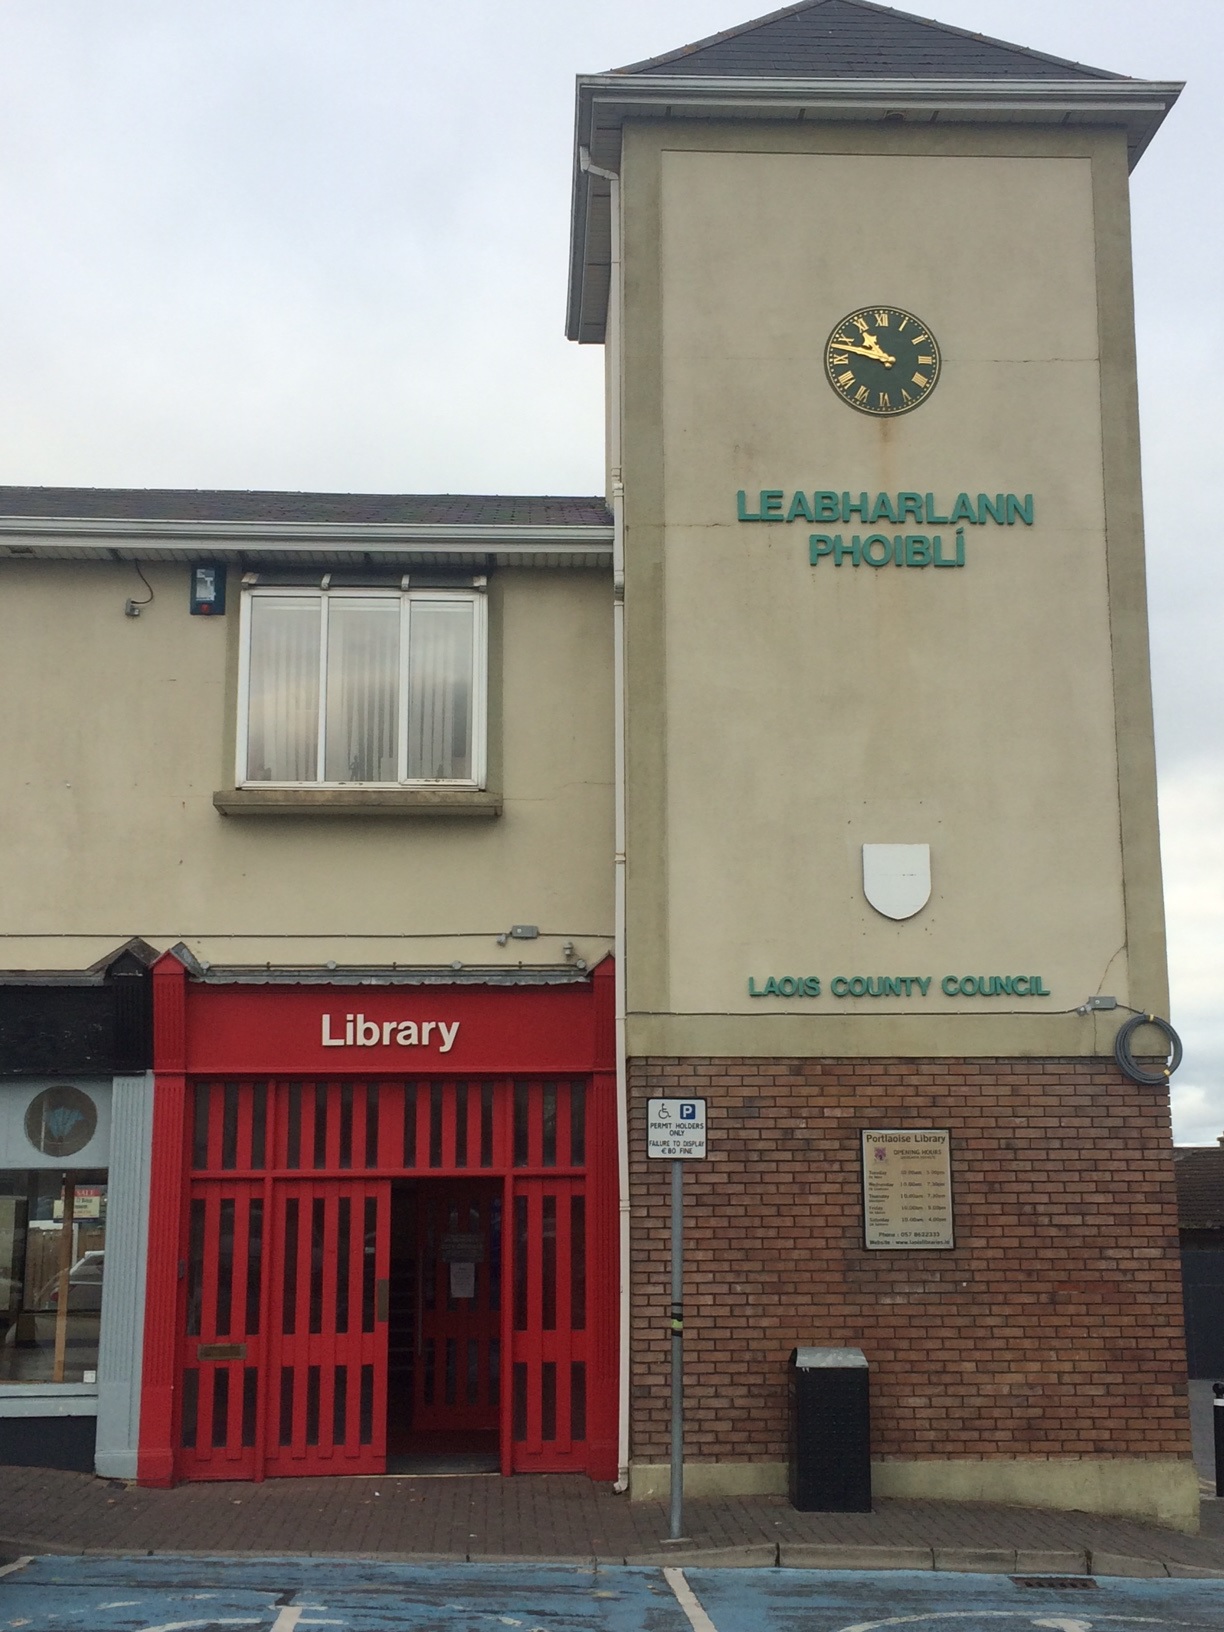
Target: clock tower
(888,859)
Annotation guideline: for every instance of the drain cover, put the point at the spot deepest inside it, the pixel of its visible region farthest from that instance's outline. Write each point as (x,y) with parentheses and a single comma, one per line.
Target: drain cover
(1057,1583)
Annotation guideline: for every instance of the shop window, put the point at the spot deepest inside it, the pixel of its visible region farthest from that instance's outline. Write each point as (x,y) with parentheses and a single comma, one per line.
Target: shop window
(369,687)
(52,1252)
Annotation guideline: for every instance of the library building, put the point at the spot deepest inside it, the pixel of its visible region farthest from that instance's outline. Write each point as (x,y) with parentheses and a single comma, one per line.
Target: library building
(375,860)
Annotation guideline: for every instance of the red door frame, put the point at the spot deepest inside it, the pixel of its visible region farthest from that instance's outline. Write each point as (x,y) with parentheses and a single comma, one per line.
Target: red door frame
(333,1032)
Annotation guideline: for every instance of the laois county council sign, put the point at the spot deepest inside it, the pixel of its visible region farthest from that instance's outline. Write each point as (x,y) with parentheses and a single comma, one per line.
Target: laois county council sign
(874,549)
(899,986)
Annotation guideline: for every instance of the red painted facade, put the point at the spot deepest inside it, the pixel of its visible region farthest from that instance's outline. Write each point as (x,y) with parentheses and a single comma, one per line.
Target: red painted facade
(321,1153)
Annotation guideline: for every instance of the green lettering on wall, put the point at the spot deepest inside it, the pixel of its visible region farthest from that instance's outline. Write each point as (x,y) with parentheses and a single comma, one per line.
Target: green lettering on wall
(741,507)
(994,508)
(909,506)
(940,560)
(1020,510)
(799,506)
(962,510)
(819,544)
(854,507)
(877,539)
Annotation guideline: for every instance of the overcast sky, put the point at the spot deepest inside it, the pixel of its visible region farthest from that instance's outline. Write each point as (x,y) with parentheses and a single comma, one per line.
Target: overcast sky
(322,244)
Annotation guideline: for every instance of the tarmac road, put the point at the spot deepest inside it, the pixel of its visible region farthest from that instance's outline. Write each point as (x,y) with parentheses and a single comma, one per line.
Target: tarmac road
(352,1595)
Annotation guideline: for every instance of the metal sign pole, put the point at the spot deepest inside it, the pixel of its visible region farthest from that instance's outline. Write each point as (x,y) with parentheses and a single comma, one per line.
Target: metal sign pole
(677,1350)
(676,1133)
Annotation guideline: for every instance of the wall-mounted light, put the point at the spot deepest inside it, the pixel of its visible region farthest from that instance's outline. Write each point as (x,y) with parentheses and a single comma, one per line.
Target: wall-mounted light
(207,590)
(519,932)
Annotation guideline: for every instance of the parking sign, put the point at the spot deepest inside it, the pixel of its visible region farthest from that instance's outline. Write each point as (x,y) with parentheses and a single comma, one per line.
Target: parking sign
(676,1129)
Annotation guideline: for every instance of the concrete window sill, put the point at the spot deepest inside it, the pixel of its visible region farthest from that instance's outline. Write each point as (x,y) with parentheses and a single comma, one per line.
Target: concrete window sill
(466,802)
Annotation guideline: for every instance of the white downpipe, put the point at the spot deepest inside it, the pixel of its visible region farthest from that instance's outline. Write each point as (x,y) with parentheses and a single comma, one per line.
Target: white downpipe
(612,345)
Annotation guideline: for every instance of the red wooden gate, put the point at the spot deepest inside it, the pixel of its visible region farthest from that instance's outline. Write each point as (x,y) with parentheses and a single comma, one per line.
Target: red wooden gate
(225,1325)
(548,1256)
(327,1348)
(288,1272)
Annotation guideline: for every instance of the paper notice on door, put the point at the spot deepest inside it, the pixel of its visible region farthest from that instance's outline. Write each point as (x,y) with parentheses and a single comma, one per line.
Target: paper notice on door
(463,1280)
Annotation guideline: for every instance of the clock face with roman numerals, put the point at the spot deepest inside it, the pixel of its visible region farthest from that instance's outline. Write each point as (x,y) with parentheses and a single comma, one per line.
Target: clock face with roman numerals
(882,360)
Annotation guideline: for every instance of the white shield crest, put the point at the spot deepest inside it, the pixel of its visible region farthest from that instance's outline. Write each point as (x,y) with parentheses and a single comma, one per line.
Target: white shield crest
(897,878)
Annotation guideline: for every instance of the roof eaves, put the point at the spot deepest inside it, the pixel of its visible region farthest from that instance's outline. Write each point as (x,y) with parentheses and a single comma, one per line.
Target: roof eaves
(605,101)
(132,537)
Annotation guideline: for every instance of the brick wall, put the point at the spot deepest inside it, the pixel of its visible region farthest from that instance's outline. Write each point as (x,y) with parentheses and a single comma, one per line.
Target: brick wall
(1053,1329)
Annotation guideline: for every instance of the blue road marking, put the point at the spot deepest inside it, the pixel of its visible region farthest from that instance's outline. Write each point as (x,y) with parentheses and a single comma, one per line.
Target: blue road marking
(198,1594)
(941,1601)
(297,1595)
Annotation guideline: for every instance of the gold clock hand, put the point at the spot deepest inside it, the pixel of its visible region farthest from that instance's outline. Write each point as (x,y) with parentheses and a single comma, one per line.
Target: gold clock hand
(876,353)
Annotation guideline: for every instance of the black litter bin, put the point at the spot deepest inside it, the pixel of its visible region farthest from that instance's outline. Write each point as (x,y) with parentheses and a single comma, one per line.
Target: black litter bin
(830,1431)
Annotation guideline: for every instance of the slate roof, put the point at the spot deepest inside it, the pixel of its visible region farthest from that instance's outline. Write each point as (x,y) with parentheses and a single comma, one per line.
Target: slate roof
(1199,1170)
(830,39)
(352,509)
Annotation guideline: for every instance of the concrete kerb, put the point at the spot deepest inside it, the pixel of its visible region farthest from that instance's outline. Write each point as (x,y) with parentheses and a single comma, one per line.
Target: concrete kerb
(762,1555)
(1126,1564)
(1057,1561)
(806,1555)
(754,1556)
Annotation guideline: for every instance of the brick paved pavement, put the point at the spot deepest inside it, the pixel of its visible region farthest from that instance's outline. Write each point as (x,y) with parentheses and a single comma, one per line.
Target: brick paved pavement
(542,1516)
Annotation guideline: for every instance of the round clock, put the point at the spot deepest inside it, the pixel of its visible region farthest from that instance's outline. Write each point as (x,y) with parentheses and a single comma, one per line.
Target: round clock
(882,360)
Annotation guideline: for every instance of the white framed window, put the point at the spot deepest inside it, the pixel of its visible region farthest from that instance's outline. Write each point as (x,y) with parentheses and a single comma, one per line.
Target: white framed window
(374,687)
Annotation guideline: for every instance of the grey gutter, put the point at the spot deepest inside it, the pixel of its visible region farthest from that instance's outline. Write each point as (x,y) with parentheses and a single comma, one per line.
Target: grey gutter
(605,101)
(140,536)
(381,975)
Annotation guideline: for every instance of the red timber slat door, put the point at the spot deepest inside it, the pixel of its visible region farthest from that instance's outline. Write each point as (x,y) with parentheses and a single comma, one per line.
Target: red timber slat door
(219,1409)
(223,1285)
(559,1381)
(285,1293)
(327,1343)
(284,1297)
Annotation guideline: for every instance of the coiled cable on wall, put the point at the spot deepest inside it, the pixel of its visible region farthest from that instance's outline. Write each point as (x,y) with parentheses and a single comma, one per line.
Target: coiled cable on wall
(1126,1060)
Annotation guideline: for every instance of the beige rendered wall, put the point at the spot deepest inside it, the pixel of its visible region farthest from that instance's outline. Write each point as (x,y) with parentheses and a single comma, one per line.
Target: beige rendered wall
(779,715)
(118,731)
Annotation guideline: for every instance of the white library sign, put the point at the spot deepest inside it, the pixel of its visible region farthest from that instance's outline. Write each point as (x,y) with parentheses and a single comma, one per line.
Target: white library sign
(676,1129)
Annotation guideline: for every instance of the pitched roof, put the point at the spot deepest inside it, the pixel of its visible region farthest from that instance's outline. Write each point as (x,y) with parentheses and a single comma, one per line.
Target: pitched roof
(827,39)
(350,509)
(1199,1170)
